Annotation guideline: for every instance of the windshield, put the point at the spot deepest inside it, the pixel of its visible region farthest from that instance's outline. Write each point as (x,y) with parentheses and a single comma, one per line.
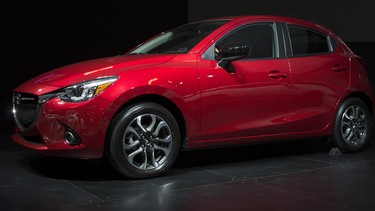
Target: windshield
(179,40)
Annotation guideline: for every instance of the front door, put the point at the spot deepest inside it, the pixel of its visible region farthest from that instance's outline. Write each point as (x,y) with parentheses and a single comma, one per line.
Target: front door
(253,98)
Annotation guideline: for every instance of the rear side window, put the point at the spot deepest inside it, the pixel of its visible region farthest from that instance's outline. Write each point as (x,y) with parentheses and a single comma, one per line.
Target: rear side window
(306,41)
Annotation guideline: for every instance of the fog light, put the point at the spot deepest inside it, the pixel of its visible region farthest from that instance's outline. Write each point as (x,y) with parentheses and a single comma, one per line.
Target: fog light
(71,137)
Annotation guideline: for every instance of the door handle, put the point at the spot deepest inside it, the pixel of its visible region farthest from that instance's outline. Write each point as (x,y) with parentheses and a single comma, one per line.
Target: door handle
(338,68)
(275,74)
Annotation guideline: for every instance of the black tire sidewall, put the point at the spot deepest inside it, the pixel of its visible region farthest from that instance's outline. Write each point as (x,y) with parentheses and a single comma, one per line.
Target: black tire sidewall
(337,139)
(115,153)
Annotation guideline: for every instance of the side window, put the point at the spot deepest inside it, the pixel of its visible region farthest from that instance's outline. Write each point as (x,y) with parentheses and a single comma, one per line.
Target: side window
(258,39)
(305,41)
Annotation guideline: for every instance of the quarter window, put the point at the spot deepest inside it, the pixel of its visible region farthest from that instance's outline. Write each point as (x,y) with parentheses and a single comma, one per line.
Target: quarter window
(305,41)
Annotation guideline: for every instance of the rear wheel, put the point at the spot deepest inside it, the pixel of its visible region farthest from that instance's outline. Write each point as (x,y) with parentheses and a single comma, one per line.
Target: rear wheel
(353,126)
(144,141)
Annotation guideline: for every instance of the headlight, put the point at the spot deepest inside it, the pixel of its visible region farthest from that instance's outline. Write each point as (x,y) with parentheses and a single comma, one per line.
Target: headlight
(86,90)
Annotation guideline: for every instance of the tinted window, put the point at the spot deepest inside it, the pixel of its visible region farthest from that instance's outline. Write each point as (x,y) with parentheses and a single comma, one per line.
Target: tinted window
(259,39)
(305,41)
(179,40)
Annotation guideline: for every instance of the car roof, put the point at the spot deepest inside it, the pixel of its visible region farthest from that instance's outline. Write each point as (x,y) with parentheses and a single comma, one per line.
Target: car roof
(238,20)
(291,20)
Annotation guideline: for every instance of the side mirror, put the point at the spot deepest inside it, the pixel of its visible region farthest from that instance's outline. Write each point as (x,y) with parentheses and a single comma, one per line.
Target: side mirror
(231,52)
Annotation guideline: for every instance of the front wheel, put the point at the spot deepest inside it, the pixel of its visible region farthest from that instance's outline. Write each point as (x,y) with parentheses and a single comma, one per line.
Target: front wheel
(353,126)
(144,141)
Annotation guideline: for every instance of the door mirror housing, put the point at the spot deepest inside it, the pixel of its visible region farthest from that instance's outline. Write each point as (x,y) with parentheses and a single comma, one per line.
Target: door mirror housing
(231,52)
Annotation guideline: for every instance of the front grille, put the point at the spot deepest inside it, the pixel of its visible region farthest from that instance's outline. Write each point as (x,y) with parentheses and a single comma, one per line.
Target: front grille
(25,107)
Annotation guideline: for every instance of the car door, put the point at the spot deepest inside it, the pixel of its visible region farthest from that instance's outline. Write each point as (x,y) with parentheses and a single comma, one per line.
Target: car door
(251,96)
(320,75)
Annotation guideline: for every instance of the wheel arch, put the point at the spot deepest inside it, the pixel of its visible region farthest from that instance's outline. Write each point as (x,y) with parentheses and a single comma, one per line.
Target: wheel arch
(165,102)
(356,94)
(337,138)
(366,99)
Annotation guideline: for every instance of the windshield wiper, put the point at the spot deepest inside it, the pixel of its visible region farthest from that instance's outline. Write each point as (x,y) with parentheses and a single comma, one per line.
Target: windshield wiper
(137,53)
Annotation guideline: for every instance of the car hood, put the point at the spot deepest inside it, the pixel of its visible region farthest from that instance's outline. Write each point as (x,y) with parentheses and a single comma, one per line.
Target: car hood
(87,70)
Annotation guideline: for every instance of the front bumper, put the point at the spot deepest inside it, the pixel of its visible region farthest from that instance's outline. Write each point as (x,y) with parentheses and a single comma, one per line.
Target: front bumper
(62,150)
(53,119)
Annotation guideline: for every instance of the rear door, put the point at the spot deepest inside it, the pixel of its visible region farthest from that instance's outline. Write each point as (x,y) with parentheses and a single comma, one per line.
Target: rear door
(320,75)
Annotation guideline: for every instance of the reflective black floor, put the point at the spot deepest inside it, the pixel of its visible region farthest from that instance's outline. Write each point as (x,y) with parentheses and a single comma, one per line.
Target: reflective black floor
(286,176)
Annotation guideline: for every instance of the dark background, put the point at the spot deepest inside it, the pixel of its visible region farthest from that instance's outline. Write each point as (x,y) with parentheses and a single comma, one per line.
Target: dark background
(43,35)
(353,21)
(40,36)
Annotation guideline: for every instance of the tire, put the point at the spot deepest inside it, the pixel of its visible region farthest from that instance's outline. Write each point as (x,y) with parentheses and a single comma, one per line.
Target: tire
(352,127)
(144,141)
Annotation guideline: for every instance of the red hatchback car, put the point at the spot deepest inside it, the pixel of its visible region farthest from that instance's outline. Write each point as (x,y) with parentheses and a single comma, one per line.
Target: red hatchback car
(219,82)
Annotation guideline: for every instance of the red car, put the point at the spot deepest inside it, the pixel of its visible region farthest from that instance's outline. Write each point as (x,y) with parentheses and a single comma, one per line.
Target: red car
(219,82)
